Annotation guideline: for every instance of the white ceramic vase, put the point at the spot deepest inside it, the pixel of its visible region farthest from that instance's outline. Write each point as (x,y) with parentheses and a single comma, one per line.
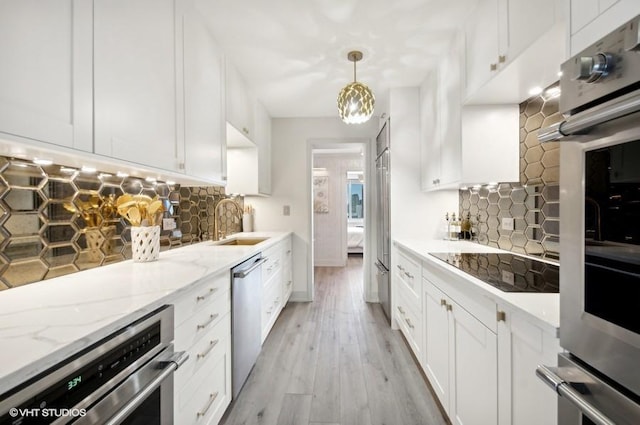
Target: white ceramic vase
(145,243)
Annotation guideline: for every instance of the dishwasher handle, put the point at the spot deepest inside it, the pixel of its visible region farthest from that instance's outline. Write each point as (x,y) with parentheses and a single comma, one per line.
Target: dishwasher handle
(244,273)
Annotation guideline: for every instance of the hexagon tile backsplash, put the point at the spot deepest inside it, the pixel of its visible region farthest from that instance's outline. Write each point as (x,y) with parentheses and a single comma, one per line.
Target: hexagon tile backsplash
(56,220)
(535,211)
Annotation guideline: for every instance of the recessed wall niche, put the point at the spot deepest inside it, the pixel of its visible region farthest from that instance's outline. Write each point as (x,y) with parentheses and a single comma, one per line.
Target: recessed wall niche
(56,220)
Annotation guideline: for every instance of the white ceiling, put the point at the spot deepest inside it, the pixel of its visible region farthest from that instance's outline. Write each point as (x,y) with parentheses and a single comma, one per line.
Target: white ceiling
(293,53)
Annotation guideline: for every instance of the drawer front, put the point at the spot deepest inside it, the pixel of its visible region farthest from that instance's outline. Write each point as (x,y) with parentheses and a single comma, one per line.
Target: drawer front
(273,262)
(462,292)
(201,296)
(190,332)
(409,269)
(208,395)
(211,346)
(410,322)
(287,252)
(272,296)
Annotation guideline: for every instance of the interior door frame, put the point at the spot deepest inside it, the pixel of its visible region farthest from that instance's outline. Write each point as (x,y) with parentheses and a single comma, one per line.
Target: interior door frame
(368,146)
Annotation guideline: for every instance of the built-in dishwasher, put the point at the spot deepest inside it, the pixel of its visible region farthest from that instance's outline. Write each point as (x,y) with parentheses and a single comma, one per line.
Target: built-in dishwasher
(246,294)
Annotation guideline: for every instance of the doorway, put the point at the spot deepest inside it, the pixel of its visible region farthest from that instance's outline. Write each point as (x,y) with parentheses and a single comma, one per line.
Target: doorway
(339,208)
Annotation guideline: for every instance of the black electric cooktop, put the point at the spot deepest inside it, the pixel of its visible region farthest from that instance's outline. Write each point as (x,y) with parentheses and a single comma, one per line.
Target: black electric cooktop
(507,272)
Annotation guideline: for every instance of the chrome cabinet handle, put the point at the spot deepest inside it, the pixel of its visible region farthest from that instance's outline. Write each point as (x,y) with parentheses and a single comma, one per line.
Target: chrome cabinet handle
(289,283)
(400,268)
(493,66)
(207,295)
(449,307)
(501,316)
(565,390)
(212,317)
(288,251)
(409,275)
(443,302)
(212,344)
(212,398)
(401,310)
(502,59)
(409,323)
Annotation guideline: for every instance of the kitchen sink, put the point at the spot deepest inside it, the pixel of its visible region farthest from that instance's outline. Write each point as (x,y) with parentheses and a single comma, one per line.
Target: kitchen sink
(239,241)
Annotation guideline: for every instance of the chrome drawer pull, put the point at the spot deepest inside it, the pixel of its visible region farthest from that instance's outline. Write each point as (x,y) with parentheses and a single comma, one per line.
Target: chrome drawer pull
(212,398)
(400,268)
(208,322)
(207,295)
(409,275)
(400,310)
(409,323)
(208,350)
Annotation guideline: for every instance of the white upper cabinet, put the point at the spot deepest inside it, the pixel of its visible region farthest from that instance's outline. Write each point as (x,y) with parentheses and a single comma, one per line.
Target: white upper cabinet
(490,144)
(481,38)
(249,161)
(429,131)
(204,102)
(440,109)
(240,102)
(512,46)
(593,19)
(45,95)
(135,83)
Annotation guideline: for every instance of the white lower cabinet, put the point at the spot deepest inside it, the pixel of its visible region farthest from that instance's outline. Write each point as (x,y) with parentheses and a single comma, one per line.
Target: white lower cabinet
(480,353)
(202,385)
(277,283)
(460,360)
(522,346)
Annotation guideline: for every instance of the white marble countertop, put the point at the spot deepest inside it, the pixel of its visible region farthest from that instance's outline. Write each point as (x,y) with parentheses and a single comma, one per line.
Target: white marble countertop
(43,323)
(543,308)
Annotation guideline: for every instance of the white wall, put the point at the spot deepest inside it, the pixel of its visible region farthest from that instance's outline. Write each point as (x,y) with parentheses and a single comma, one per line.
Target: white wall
(291,143)
(330,229)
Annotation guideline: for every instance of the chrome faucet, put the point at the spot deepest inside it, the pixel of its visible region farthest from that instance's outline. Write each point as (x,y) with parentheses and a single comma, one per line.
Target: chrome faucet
(219,234)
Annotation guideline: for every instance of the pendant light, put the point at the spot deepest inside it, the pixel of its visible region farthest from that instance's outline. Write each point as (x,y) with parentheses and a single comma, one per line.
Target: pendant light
(355,100)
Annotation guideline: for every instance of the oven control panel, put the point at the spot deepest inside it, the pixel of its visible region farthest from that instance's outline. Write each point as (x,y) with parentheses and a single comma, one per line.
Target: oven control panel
(609,66)
(75,387)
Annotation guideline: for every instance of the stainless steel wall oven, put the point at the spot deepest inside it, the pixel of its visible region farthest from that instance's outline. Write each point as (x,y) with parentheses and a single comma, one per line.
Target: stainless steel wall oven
(599,378)
(127,378)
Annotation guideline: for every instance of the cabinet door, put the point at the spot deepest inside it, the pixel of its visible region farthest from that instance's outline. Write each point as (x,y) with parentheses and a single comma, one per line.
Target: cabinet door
(522,346)
(582,12)
(135,82)
(240,103)
(525,24)
(436,346)
(429,132)
(474,365)
(45,93)
(481,39)
(450,108)
(204,107)
(263,141)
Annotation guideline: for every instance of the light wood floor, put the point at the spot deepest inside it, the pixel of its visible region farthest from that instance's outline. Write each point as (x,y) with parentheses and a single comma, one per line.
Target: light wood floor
(334,361)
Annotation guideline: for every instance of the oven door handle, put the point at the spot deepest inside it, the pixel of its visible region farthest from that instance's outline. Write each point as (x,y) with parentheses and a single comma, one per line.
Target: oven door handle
(167,368)
(565,390)
(608,111)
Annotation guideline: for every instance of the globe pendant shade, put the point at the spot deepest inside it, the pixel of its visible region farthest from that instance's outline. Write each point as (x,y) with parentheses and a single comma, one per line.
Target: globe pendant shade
(355,103)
